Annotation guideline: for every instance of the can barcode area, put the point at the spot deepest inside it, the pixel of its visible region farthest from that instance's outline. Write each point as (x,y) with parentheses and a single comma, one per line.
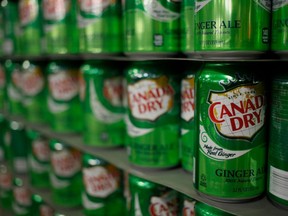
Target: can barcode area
(278,183)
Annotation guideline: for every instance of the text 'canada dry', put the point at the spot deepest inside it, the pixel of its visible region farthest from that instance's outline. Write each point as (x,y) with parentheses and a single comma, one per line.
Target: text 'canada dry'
(230,120)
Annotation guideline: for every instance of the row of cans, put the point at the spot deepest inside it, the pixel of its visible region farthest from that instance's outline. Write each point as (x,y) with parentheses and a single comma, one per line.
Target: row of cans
(209,29)
(211,117)
(95,185)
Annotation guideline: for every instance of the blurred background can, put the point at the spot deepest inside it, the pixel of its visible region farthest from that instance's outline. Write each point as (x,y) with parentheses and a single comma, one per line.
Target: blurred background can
(230,112)
(63,97)
(151,28)
(203,209)
(3,88)
(100,26)
(103,105)
(232,29)
(153,122)
(40,207)
(65,174)
(103,187)
(186,205)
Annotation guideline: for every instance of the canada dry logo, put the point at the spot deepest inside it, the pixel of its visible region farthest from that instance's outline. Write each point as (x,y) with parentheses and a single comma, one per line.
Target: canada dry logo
(187,99)
(55,10)
(113,91)
(166,205)
(95,7)
(28,11)
(33,82)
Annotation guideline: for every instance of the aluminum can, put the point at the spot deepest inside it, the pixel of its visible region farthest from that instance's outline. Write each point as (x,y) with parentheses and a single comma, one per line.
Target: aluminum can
(6,194)
(34,90)
(103,190)
(19,147)
(103,105)
(280,28)
(151,28)
(278,150)
(231,131)
(61,35)
(203,209)
(232,29)
(31,33)
(154,108)
(187,116)
(186,205)
(40,207)
(65,174)
(3,87)
(2,22)
(22,197)
(149,198)
(14,91)
(100,26)
(63,97)
(38,159)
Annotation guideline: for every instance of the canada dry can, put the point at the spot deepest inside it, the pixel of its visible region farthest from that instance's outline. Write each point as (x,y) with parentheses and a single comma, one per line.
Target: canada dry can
(187,116)
(100,26)
(14,87)
(22,197)
(203,209)
(34,90)
(65,174)
(60,26)
(63,97)
(103,106)
(280,27)
(38,159)
(151,27)
(3,84)
(1,31)
(40,207)
(230,127)
(103,190)
(31,34)
(232,29)
(278,146)
(186,205)
(19,147)
(154,109)
(187,26)
(6,193)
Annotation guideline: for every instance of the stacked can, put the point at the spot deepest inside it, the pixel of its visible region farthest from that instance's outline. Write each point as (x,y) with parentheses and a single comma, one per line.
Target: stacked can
(151,27)
(22,198)
(280,27)
(65,174)
(149,198)
(186,205)
(277,156)
(63,97)
(103,189)
(14,87)
(60,26)
(100,26)
(34,90)
(3,84)
(31,33)
(2,22)
(40,208)
(38,159)
(103,105)
(203,209)
(153,114)
(231,127)
(233,30)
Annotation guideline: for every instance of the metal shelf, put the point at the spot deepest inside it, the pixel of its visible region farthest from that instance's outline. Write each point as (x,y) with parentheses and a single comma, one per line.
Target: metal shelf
(175,178)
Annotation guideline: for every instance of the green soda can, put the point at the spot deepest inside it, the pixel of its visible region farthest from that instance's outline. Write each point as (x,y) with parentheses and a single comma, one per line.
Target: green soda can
(280,27)
(186,205)
(40,207)
(203,209)
(103,105)
(187,27)
(232,29)
(187,117)
(100,26)
(151,27)
(154,110)
(30,15)
(2,22)
(60,26)
(19,147)
(14,87)
(149,198)
(231,132)
(278,150)
(22,198)
(65,174)
(34,89)
(63,97)
(6,194)
(3,84)
(103,190)
(38,159)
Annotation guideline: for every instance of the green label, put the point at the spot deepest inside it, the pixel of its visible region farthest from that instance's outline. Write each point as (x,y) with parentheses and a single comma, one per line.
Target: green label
(187,25)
